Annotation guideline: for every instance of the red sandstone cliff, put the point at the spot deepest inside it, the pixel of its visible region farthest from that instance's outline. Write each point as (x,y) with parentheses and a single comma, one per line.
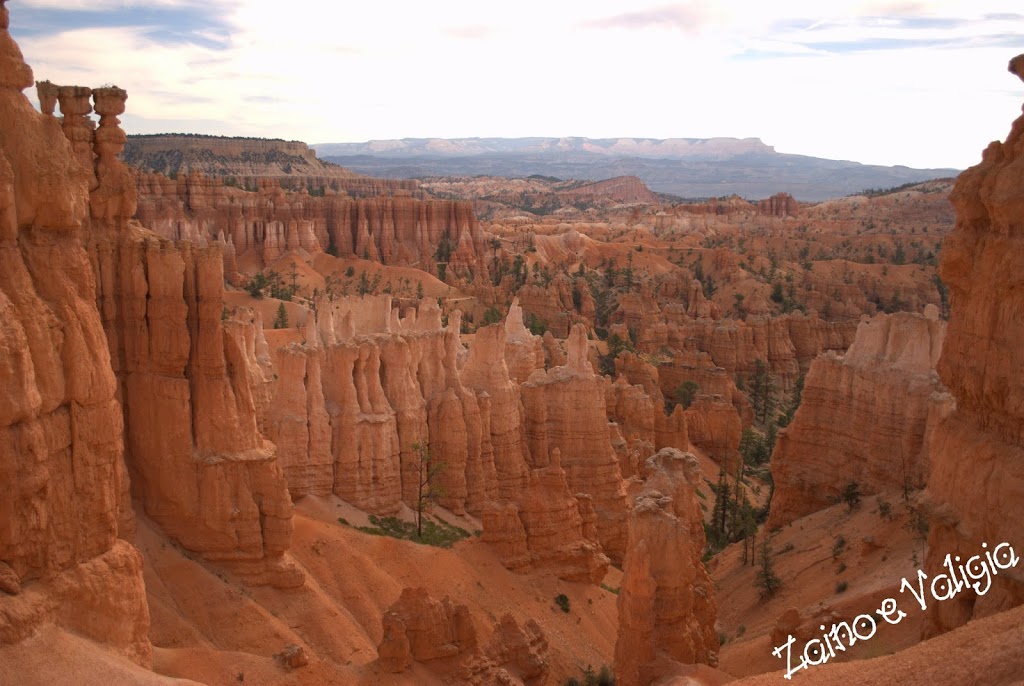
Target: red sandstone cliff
(269,221)
(61,441)
(565,410)
(977,452)
(864,417)
(626,189)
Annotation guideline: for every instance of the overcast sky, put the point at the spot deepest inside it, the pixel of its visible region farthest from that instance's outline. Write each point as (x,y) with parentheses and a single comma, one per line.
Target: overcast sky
(916,83)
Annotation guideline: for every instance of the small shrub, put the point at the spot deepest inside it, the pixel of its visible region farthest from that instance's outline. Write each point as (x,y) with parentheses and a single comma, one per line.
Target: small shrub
(841,568)
(884,509)
(838,548)
(851,494)
(603,677)
(841,587)
(610,589)
(740,630)
(562,601)
(722,638)
(492,315)
(686,393)
(439,534)
(917,522)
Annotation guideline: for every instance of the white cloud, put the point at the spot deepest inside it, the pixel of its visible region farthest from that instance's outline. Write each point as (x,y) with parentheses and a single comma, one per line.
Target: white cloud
(344,71)
(104,5)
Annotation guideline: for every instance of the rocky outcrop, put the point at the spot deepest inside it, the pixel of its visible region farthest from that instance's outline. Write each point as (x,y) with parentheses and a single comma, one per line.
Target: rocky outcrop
(514,654)
(713,422)
(779,205)
(977,452)
(625,189)
(524,352)
(418,628)
(552,304)
(864,417)
(61,442)
(485,371)
(666,603)
(786,344)
(565,409)
(547,528)
(244,160)
(198,462)
(635,415)
(697,367)
(268,221)
(366,385)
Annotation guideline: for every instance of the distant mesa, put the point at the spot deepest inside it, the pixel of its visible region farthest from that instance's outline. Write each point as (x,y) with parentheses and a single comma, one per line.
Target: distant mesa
(684,167)
(668,148)
(246,161)
(627,189)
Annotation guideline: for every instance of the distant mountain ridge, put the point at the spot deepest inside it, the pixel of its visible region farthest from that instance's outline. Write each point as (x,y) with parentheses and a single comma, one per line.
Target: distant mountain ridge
(658,148)
(685,167)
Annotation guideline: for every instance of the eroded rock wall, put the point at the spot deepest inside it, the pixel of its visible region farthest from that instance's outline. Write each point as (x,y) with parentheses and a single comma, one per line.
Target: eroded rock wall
(977,480)
(565,409)
(268,221)
(61,444)
(863,417)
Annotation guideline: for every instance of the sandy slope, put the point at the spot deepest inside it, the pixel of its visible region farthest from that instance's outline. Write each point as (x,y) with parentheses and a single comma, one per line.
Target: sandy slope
(877,555)
(207,628)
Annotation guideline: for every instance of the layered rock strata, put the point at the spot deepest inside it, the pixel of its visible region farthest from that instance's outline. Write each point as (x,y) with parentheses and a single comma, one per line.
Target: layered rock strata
(61,440)
(786,345)
(865,417)
(666,603)
(547,528)
(418,628)
(269,221)
(977,452)
(565,409)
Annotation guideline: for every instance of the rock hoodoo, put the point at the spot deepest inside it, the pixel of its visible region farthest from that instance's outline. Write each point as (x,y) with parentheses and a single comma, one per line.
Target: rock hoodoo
(667,607)
(565,409)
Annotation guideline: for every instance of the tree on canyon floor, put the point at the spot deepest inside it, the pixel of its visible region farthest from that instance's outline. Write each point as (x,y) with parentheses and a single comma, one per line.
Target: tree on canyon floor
(733,518)
(766,580)
(851,494)
(428,490)
(281,320)
(763,392)
(616,344)
(685,394)
(794,402)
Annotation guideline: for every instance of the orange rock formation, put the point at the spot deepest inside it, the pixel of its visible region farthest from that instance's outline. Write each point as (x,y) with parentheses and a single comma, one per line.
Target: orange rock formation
(865,417)
(269,221)
(565,410)
(666,604)
(61,441)
(977,452)
(418,628)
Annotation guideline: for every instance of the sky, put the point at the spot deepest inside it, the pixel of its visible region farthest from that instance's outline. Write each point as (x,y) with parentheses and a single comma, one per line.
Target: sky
(922,84)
